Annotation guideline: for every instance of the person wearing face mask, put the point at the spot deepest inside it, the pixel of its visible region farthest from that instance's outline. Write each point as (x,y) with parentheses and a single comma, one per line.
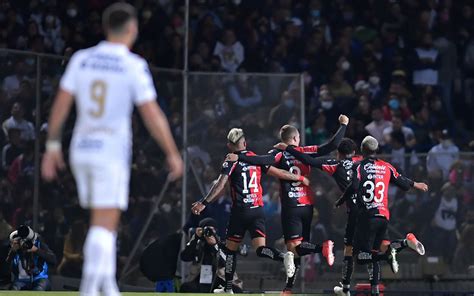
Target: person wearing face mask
(442,156)
(329,108)
(375,91)
(282,113)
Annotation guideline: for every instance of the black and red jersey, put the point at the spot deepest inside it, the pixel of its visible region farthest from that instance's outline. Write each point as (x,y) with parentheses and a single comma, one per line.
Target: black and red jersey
(294,194)
(371,180)
(245,185)
(340,170)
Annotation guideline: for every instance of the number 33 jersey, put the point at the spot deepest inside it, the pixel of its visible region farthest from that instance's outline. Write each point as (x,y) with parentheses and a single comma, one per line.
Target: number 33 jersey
(371,178)
(107,80)
(245,185)
(294,194)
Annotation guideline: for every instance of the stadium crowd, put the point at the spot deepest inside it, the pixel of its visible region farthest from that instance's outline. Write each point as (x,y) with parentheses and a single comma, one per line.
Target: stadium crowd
(403,71)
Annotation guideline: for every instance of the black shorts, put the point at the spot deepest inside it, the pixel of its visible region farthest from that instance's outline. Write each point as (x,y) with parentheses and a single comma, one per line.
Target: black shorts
(350,227)
(245,219)
(370,233)
(296,223)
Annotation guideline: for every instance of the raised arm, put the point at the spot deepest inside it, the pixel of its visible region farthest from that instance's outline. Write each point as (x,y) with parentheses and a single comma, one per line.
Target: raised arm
(330,146)
(214,192)
(285,175)
(157,124)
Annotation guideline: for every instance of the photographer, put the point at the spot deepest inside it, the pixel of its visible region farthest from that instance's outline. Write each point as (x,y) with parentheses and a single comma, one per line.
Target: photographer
(204,251)
(29,258)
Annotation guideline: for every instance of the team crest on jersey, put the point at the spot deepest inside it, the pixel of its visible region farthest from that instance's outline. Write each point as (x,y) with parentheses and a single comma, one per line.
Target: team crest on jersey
(347,164)
(225,165)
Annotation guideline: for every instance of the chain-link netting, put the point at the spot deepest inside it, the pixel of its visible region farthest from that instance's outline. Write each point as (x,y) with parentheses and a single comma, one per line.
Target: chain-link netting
(260,104)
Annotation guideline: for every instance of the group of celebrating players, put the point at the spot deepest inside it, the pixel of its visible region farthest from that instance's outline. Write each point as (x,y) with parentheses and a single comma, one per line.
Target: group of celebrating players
(106,81)
(364,180)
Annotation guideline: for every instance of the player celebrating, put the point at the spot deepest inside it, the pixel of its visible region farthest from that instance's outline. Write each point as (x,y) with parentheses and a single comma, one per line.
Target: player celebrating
(297,199)
(106,81)
(247,207)
(372,177)
(341,170)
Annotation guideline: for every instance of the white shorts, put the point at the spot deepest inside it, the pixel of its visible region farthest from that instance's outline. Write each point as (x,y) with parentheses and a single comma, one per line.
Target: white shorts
(102,186)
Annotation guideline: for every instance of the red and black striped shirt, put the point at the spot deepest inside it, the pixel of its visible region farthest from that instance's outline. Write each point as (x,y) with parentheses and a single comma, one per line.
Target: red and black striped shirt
(245,185)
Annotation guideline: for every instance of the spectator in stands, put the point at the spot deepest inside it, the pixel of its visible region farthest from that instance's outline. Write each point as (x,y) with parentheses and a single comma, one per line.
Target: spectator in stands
(71,264)
(442,156)
(377,126)
(230,51)
(17,120)
(463,261)
(11,83)
(397,126)
(398,86)
(340,89)
(397,143)
(12,149)
(282,113)
(328,106)
(426,62)
(444,223)
(448,67)
(317,132)
(244,92)
(362,111)
(421,127)
(21,171)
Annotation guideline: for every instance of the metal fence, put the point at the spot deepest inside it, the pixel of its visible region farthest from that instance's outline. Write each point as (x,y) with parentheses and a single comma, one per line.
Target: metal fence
(200,114)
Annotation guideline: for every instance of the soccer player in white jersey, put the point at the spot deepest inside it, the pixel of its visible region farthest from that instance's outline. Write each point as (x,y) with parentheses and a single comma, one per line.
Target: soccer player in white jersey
(106,80)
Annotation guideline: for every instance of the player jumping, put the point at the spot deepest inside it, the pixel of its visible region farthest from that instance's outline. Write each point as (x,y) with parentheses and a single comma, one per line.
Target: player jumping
(371,179)
(247,206)
(106,81)
(297,199)
(341,170)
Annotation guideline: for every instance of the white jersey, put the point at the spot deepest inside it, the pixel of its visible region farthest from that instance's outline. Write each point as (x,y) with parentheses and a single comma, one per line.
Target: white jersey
(106,81)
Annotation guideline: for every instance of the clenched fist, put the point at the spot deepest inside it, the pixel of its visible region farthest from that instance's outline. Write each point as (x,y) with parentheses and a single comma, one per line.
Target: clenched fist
(343,119)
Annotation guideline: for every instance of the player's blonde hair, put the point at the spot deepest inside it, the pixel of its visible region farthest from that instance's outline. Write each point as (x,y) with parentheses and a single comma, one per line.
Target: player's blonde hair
(235,135)
(369,145)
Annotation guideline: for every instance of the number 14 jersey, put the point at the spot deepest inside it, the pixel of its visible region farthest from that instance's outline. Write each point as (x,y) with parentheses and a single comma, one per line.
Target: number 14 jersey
(245,185)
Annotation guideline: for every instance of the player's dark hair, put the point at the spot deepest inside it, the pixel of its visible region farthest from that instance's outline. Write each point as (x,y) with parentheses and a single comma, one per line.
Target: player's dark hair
(347,146)
(116,16)
(287,132)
